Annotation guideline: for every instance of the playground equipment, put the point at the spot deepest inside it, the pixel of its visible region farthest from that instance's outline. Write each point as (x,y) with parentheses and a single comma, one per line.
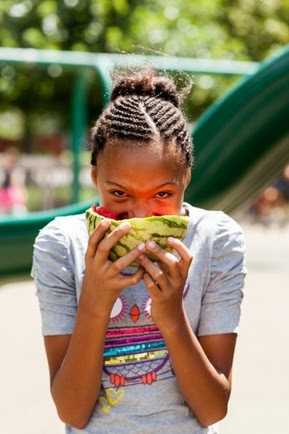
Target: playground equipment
(241,142)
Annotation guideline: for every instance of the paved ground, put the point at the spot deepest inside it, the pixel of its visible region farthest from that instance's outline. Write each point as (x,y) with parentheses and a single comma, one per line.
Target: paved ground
(260,398)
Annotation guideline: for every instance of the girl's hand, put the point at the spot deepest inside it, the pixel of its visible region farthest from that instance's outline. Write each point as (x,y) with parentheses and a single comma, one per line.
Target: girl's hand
(165,282)
(103,280)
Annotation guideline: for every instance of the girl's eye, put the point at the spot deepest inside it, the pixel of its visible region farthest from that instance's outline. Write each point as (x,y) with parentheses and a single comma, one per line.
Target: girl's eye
(163,194)
(118,193)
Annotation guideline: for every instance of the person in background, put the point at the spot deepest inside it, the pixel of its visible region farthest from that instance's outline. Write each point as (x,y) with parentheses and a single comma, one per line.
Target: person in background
(13,194)
(270,206)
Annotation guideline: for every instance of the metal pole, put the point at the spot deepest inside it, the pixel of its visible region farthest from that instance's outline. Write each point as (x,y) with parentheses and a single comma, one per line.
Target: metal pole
(104,69)
(78,125)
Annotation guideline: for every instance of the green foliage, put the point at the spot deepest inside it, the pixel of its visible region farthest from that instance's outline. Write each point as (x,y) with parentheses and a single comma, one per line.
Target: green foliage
(218,29)
(242,29)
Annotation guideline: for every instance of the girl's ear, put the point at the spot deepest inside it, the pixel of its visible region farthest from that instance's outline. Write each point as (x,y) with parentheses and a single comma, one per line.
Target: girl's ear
(93,175)
(187,177)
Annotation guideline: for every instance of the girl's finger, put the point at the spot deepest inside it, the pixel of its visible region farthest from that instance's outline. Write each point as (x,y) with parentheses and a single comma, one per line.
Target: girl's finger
(107,243)
(123,262)
(186,256)
(151,285)
(96,237)
(132,279)
(156,273)
(165,257)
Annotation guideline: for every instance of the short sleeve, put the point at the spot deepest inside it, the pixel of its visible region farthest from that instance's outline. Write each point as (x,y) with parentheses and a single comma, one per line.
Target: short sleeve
(54,279)
(221,302)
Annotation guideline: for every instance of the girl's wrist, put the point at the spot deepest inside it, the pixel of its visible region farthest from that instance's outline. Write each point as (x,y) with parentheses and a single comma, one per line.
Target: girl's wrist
(174,326)
(94,313)
(94,306)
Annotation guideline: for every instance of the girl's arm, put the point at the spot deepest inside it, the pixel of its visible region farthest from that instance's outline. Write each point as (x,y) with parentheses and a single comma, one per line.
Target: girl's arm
(76,361)
(203,369)
(202,366)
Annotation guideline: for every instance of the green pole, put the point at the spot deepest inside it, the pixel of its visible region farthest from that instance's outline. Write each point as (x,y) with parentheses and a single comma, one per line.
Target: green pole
(79,115)
(78,124)
(103,69)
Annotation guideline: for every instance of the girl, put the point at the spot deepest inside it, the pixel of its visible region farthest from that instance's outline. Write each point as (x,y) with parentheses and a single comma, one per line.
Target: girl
(146,350)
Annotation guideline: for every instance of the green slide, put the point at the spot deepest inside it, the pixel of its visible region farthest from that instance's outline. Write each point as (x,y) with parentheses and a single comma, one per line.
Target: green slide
(241,143)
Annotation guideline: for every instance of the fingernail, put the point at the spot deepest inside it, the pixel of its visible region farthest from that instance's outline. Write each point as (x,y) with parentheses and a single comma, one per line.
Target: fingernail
(104,223)
(125,225)
(171,239)
(151,244)
(141,246)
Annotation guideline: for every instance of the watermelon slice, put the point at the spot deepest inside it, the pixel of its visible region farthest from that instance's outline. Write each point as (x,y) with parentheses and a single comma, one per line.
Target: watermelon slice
(156,228)
(105,212)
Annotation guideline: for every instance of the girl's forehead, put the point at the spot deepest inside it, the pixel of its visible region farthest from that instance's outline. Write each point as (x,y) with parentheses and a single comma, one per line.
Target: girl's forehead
(157,151)
(143,161)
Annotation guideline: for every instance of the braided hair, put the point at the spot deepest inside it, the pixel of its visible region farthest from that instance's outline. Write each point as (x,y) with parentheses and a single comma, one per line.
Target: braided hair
(144,107)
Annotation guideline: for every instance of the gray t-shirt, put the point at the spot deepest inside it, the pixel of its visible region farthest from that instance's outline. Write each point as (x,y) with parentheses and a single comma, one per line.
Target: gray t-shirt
(139,392)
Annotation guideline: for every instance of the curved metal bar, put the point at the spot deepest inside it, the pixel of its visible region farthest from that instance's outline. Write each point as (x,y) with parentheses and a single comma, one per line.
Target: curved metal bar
(79,59)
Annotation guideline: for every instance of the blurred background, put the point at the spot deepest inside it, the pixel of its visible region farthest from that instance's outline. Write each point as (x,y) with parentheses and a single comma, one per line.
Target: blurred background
(36,174)
(35,102)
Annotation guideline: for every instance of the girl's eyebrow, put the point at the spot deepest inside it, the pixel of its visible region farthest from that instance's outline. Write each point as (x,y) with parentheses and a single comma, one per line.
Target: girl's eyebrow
(159,186)
(113,183)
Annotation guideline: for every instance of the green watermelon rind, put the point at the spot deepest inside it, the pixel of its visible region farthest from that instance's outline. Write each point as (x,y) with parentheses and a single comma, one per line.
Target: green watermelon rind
(156,228)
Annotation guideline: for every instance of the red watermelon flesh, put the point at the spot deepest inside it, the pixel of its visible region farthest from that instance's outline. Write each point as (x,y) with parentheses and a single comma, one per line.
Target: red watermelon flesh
(105,212)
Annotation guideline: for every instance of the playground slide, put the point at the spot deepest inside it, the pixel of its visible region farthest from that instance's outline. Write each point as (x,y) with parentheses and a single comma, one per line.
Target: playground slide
(241,143)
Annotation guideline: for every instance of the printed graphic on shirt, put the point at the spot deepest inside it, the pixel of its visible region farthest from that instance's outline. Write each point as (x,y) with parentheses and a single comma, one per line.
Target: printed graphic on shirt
(136,354)
(111,398)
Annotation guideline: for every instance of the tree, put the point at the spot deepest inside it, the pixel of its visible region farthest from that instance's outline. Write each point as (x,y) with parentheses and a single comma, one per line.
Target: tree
(227,29)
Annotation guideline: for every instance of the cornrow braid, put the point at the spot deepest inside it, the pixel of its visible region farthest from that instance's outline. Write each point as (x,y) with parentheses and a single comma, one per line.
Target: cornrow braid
(144,107)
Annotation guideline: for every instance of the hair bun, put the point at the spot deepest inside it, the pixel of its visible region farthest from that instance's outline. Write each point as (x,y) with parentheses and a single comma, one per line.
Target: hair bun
(146,83)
